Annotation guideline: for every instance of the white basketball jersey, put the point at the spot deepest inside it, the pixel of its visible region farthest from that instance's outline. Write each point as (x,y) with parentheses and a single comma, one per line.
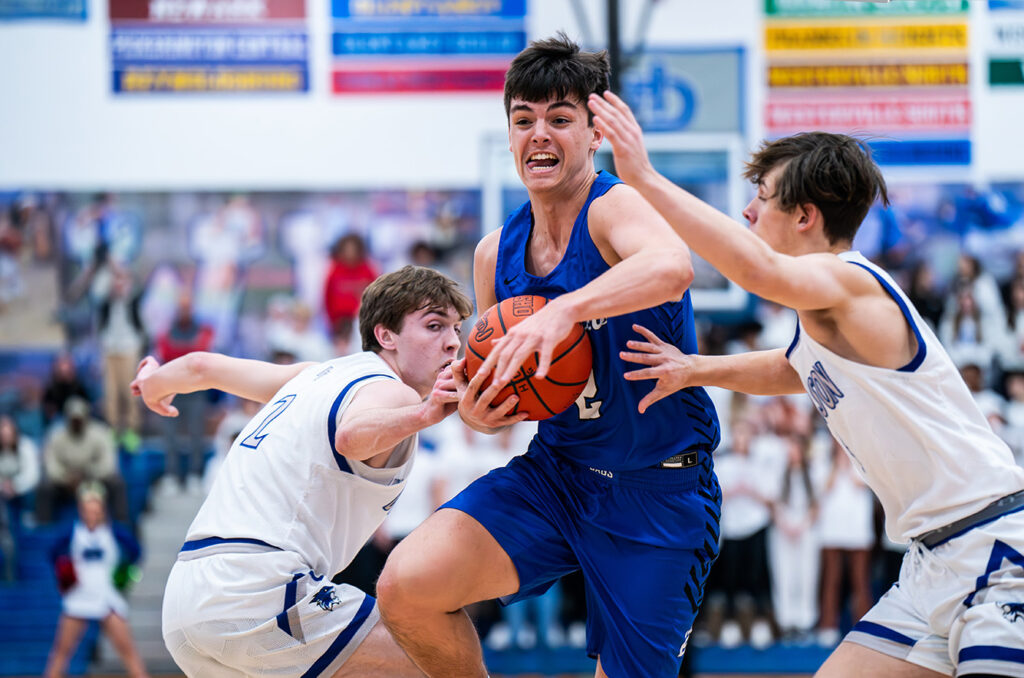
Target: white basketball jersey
(284,484)
(915,432)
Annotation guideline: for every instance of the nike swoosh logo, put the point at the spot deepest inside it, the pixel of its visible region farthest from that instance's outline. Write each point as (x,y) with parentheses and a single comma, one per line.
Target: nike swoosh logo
(509,281)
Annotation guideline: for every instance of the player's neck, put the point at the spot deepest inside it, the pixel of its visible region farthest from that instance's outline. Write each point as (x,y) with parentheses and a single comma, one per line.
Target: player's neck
(392,360)
(555,211)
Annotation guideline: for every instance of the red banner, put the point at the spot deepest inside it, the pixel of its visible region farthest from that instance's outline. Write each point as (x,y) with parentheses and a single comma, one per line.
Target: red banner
(206,11)
(380,81)
(876,114)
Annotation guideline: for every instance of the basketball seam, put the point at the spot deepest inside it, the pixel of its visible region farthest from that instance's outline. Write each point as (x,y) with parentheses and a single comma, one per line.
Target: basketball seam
(570,348)
(536,394)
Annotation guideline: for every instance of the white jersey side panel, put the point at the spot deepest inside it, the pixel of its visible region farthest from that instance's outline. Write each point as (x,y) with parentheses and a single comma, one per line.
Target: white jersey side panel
(283,483)
(916,434)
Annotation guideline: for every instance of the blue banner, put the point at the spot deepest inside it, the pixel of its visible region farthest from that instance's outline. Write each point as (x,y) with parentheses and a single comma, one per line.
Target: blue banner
(433,9)
(204,46)
(922,152)
(72,10)
(428,42)
(1005,4)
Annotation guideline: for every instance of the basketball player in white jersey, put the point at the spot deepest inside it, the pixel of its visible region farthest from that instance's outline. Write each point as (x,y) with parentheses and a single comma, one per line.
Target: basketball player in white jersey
(305,485)
(886,388)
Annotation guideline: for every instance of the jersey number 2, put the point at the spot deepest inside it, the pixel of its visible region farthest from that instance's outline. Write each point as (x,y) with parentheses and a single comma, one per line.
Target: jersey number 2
(589,405)
(253,440)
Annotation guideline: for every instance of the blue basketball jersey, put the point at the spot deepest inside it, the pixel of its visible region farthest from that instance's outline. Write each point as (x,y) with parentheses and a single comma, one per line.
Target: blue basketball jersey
(604,429)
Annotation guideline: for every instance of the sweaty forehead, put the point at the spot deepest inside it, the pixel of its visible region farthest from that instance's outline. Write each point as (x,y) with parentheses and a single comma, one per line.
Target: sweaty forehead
(568,101)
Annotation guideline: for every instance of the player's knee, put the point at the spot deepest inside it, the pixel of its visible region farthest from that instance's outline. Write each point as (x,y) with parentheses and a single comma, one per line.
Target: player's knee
(406,585)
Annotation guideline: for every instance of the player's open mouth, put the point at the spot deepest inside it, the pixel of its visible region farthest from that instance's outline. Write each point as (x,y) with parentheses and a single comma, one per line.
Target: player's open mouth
(541,161)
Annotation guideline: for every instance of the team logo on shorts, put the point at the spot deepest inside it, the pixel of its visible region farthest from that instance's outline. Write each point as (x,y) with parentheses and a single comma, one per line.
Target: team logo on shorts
(325,599)
(1013,611)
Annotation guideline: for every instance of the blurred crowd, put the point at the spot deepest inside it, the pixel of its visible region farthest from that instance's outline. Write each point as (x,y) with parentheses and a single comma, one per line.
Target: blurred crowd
(802,555)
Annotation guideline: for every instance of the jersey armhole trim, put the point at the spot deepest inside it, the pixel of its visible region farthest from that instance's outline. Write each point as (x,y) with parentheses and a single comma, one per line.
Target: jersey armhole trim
(922,349)
(332,419)
(796,339)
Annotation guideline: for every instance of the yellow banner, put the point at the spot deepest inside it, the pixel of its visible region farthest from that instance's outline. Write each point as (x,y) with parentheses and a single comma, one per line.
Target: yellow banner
(866,37)
(191,80)
(871,75)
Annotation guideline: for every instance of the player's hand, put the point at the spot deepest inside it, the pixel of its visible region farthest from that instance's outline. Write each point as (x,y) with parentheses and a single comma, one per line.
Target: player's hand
(540,333)
(444,397)
(618,124)
(477,408)
(143,385)
(666,363)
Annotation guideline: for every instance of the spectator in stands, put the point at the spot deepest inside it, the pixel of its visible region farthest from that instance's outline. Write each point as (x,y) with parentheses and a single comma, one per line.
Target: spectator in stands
(122,339)
(1013,433)
(64,383)
(19,476)
(847,531)
(91,563)
(185,335)
(972,278)
(793,545)
(1012,351)
(299,337)
(351,271)
(79,449)
(924,294)
(11,284)
(741,595)
(992,405)
(1006,289)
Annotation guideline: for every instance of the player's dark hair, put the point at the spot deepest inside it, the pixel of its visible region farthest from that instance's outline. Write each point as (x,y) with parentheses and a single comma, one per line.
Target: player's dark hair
(834,172)
(389,298)
(555,68)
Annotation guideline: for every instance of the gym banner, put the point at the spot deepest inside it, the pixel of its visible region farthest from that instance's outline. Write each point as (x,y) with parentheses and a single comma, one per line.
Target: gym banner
(405,46)
(70,10)
(834,8)
(901,112)
(873,37)
(869,75)
(209,46)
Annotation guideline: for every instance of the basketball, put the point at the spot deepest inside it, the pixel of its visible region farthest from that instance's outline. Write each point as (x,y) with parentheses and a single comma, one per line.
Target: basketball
(570,362)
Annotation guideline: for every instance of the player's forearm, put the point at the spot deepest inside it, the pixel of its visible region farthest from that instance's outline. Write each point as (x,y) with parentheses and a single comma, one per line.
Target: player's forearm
(647,278)
(755,373)
(372,432)
(733,250)
(199,371)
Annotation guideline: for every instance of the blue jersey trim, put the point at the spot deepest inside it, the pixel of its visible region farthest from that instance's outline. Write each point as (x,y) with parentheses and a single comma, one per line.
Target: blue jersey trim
(196,544)
(332,420)
(289,601)
(879,631)
(997,652)
(796,338)
(342,640)
(922,350)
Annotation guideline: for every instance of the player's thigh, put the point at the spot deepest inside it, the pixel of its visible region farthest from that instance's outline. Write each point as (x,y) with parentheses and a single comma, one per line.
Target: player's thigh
(378,655)
(851,660)
(450,560)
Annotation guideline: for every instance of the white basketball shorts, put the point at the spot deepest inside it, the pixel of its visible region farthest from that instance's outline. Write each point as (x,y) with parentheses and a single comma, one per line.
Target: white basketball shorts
(260,614)
(958,608)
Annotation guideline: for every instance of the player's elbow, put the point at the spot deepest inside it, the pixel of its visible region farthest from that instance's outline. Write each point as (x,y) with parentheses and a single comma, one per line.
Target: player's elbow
(199,365)
(674,273)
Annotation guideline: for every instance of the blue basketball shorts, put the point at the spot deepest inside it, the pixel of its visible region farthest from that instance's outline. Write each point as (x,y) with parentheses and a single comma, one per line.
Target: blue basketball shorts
(644,541)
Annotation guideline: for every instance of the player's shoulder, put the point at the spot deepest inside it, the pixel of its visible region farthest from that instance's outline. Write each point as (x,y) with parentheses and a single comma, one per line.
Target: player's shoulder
(488,245)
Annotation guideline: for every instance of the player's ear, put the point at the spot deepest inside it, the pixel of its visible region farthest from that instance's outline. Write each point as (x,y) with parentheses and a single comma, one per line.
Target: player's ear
(385,337)
(809,215)
(595,143)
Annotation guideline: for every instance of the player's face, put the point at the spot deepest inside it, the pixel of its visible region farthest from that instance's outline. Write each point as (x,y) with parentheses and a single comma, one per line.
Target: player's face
(551,142)
(767,220)
(427,343)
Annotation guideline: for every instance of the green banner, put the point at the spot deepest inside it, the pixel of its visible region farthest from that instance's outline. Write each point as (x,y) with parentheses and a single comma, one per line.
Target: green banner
(1006,72)
(826,8)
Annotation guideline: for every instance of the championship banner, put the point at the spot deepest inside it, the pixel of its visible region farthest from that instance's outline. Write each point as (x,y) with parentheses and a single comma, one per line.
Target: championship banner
(834,8)
(874,37)
(199,46)
(878,113)
(71,10)
(869,75)
(404,46)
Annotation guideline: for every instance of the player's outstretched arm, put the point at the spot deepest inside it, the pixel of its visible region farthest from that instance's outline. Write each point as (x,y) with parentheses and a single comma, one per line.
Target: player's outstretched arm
(384,413)
(649,265)
(756,373)
(251,379)
(806,282)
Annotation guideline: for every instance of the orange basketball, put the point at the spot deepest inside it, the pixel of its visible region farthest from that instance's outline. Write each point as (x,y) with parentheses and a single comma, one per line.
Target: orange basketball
(570,362)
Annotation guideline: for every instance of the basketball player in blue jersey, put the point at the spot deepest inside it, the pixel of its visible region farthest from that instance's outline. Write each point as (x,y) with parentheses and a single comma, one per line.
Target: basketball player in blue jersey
(885,386)
(630,500)
(305,485)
